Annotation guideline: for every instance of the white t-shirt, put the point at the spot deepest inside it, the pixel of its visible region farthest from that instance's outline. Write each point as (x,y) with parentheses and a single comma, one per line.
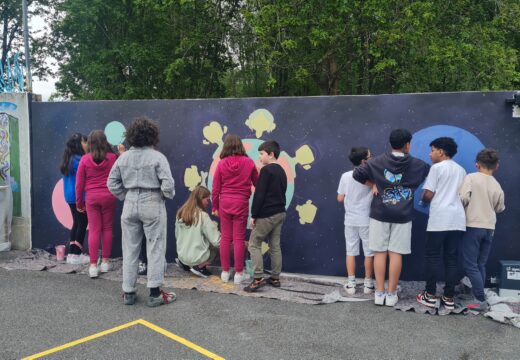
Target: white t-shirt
(357,200)
(446,210)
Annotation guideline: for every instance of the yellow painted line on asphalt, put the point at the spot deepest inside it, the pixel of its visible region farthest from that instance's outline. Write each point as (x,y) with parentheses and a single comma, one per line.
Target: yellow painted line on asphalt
(145,323)
(180,340)
(82,340)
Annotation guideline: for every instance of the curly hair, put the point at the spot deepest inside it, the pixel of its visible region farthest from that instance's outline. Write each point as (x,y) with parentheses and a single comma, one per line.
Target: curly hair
(142,132)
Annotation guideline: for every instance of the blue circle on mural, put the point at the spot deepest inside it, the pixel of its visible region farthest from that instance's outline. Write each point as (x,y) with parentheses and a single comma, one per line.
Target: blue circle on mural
(468,147)
(115,132)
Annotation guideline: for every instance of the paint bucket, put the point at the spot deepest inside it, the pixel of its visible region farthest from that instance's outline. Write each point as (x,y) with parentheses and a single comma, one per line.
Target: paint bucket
(60,252)
(249,268)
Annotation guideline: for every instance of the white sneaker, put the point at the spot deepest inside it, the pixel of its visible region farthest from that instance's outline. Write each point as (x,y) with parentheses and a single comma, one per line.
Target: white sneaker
(391,300)
(368,286)
(379,298)
(239,277)
(84,259)
(73,259)
(350,287)
(105,267)
(93,271)
(225,276)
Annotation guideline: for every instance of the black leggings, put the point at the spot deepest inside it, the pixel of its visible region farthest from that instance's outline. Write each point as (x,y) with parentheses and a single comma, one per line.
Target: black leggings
(79,228)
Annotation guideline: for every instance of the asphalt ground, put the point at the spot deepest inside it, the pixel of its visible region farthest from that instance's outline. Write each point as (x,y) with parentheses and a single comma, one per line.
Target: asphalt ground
(41,311)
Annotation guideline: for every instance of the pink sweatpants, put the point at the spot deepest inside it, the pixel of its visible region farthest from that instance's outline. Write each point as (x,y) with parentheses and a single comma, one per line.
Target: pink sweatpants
(233,229)
(100,212)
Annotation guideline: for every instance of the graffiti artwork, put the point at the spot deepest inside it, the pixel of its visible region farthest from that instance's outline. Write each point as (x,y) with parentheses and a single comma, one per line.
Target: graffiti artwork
(315,135)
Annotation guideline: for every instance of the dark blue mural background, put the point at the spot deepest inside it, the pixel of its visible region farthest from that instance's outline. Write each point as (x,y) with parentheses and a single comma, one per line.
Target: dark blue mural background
(329,125)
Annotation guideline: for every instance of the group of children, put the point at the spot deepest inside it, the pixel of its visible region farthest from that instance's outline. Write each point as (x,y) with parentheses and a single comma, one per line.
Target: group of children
(378,195)
(95,177)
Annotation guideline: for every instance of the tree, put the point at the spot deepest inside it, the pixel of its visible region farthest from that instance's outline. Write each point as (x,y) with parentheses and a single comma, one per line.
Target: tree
(11,24)
(134,49)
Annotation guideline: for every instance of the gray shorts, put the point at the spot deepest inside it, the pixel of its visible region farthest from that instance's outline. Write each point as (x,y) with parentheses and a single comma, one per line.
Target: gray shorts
(384,236)
(352,236)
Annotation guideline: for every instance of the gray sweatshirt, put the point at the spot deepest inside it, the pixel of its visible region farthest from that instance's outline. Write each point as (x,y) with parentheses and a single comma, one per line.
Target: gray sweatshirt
(482,198)
(141,168)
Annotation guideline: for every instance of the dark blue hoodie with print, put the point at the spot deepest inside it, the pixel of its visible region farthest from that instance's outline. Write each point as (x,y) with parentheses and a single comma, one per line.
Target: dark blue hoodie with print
(396,178)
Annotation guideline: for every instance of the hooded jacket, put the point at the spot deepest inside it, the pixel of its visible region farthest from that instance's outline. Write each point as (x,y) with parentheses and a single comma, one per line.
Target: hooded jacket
(69,180)
(232,183)
(92,177)
(396,179)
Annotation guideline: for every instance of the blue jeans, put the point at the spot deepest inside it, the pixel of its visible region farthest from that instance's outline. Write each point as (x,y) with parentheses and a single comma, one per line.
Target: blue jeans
(476,246)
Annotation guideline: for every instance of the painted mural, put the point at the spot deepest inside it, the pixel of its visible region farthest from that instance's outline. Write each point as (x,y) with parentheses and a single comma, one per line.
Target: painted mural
(10,153)
(318,131)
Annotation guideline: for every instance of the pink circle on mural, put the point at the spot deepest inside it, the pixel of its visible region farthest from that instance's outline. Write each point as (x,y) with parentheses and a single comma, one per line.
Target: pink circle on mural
(60,207)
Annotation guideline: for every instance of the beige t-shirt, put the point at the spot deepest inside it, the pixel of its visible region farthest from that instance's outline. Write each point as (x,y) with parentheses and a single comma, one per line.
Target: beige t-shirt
(482,198)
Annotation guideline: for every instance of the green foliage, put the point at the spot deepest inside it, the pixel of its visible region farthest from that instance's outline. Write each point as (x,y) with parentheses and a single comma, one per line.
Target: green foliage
(133,49)
(11,33)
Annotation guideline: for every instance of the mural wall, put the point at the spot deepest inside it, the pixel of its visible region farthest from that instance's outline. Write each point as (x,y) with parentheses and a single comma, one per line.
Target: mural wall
(315,134)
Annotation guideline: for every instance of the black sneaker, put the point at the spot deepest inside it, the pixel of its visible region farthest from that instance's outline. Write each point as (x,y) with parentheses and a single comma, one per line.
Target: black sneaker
(200,271)
(274,282)
(142,268)
(181,265)
(427,299)
(129,298)
(448,302)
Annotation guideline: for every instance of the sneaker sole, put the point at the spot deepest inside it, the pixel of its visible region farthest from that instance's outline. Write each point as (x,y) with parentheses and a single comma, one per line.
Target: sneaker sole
(430,305)
(350,291)
(380,303)
(198,273)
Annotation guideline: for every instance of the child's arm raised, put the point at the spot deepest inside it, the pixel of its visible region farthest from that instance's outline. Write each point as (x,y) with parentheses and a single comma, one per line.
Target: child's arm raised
(210,230)
(363,173)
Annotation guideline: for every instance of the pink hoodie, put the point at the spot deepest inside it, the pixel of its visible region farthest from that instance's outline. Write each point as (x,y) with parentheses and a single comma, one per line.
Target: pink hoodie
(92,177)
(232,183)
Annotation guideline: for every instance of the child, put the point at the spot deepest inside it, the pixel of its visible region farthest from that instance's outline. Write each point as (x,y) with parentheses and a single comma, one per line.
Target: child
(446,223)
(100,204)
(198,238)
(76,148)
(396,176)
(482,198)
(142,178)
(232,181)
(267,216)
(357,198)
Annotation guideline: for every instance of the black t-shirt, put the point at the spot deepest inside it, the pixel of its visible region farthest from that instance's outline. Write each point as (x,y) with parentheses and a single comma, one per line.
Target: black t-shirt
(269,198)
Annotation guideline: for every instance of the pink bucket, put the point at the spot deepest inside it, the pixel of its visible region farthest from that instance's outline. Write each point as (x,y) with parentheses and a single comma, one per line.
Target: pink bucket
(60,252)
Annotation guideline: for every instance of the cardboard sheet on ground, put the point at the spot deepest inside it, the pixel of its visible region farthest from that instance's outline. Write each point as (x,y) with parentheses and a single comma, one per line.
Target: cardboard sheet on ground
(298,289)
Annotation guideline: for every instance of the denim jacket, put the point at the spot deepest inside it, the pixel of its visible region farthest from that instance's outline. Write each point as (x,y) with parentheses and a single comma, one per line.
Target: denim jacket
(141,168)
